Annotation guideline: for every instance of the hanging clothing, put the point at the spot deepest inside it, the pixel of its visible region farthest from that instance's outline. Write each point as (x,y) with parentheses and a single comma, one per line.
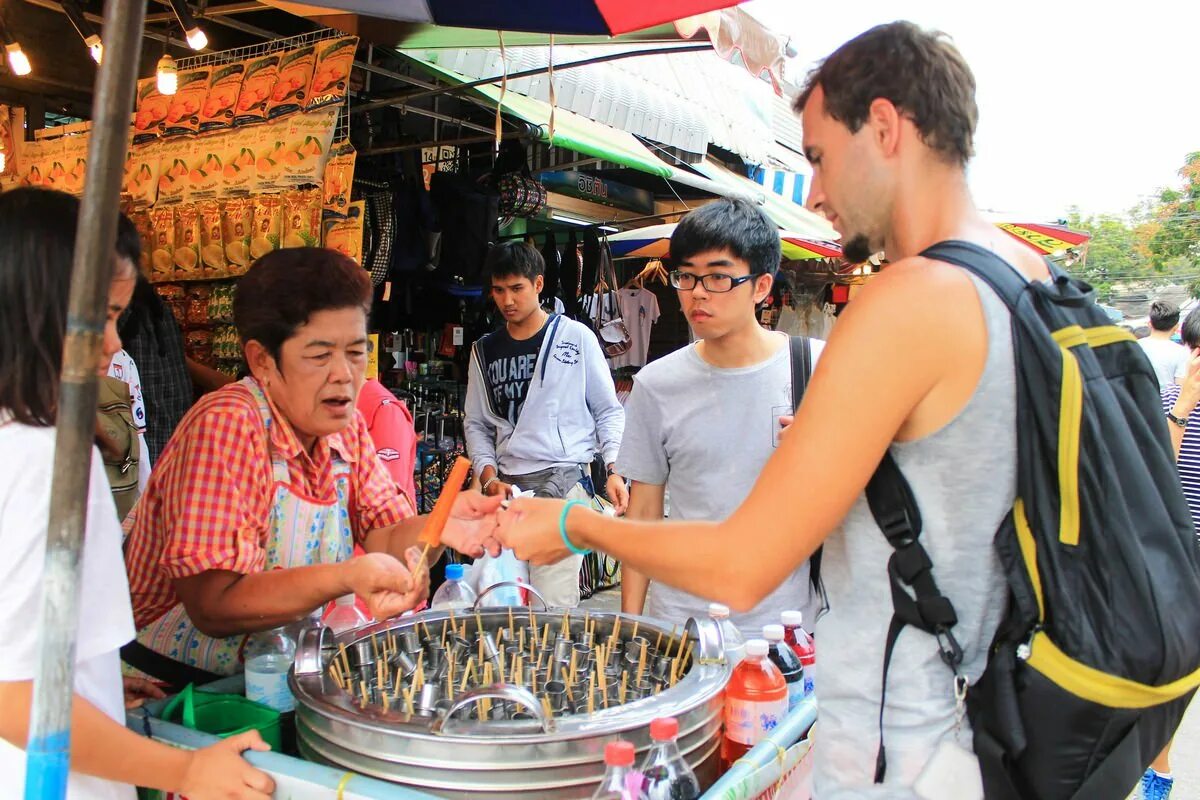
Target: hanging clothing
(639,311)
(553,267)
(569,289)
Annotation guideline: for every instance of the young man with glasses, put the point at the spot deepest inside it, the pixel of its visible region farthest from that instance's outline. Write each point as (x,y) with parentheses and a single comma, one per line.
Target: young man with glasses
(539,398)
(702,421)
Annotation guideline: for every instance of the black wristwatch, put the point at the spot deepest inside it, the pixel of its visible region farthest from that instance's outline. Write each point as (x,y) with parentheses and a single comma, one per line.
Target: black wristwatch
(610,470)
(1180,422)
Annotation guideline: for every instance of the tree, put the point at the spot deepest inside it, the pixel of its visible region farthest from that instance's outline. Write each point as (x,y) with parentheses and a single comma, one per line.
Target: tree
(1114,251)
(1176,232)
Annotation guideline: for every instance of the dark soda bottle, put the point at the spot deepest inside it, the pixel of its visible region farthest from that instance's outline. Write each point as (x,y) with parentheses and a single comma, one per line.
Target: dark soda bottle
(755,702)
(667,775)
(785,658)
(802,644)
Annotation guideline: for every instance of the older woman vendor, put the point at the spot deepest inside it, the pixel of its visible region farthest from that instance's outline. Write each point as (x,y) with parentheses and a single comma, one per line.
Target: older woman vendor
(250,519)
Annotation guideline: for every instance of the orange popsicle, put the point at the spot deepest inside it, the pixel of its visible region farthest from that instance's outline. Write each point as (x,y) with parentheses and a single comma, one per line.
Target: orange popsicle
(431,534)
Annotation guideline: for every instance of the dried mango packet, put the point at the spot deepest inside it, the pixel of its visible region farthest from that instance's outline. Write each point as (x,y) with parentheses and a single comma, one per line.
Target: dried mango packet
(339,178)
(345,234)
(268,219)
(301,218)
(257,84)
(331,73)
(237,228)
(162,256)
(187,242)
(291,87)
(212,240)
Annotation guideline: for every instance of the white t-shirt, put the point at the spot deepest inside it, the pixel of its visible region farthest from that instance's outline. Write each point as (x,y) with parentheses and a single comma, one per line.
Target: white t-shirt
(105,615)
(124,369)
(1169,359)
(639,310)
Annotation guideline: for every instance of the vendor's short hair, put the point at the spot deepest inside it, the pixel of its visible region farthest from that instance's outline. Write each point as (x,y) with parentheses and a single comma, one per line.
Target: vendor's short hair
(513,259)
(920,72)
(733,225)
(283,289)
(1164,315)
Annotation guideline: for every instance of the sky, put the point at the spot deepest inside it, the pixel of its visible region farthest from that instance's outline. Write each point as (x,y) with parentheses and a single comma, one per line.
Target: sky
(1079,105)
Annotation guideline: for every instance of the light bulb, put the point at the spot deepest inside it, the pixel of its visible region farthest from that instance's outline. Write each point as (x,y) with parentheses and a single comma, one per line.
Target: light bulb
(1,161)
(18,60)
(167,77)
(196,39)
(97,50)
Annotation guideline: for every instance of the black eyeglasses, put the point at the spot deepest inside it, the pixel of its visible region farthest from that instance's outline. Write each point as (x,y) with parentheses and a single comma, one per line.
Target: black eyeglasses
(716,282)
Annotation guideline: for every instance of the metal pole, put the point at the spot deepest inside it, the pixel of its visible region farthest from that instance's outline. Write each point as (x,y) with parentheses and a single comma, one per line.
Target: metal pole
(49,747)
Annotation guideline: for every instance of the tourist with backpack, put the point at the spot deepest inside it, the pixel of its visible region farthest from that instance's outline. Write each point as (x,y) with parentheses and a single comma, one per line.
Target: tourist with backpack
(985,460)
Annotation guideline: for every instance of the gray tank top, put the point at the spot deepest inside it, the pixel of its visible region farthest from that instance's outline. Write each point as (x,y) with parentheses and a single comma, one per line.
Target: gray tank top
(964,480)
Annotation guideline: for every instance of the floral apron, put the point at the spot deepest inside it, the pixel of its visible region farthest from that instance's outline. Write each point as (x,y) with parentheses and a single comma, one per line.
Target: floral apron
(302,531)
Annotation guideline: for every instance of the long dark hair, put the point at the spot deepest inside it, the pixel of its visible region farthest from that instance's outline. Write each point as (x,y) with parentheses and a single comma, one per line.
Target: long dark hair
(37,241)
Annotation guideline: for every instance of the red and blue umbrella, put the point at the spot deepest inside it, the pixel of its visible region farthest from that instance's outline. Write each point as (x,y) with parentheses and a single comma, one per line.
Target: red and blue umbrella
(654,241)
(579,17)
(1046,239)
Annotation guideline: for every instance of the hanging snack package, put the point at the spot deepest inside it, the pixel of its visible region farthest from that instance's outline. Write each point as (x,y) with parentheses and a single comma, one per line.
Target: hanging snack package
(162,256)
(174,170)
(151,113)
(141,174)
(197,345)
(345,234)
(302,218)
(223,89)
(74,161)
(196,312)
(206,175)
(212,240)
(239,171)
(187,243)
(268,219)
(145,228)
(258,82)
(331,73)
(237,226)
(306,146)
(291,88)
(339,177)
(267,144)
(183,116)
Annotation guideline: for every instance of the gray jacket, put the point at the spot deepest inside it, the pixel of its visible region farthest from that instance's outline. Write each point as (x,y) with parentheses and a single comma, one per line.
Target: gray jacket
(571,405)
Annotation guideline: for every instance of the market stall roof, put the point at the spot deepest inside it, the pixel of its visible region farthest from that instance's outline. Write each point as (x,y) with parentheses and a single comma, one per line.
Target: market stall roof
(784,213)
(571,130)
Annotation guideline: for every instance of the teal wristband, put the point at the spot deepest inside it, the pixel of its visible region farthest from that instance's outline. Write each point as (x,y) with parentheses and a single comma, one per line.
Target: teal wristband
(562,527)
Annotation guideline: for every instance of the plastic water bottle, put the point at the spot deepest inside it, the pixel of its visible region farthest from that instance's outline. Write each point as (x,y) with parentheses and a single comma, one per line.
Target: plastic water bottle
(785,658)
(803,646)
(346,615)
(454,593)
(620,782)
(731,638)
(666,775)
(755,701)
(269,656)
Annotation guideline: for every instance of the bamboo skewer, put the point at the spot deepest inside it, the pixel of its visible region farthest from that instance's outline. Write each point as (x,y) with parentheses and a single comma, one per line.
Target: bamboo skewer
(624,687)
(468,670)
(546,707)
(546,636)
(574,660)
(512,627)
(591,701)
(445,622)
(479,623)
(365,699)
(636,622)
(345,658)
(408,699)
(641,663)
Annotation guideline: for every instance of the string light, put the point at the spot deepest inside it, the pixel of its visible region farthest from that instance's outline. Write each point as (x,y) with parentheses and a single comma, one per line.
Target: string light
(166,75)
(91,39)
(17,60)
(196,38)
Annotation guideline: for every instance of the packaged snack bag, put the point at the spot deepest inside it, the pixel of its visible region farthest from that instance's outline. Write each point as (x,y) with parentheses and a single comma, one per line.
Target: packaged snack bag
(257,84)
(345,234)
(151,113)
(212,240)
(162,254)
(239,172)
(267,142)
(237,228)
(301,218)
(207,171)
(331,73)
(175,170)
(141,174)
(183,114)
(305,150)
(187,243)
(339,178)
(291,88)
(268,219)
(223,89)
(145,228)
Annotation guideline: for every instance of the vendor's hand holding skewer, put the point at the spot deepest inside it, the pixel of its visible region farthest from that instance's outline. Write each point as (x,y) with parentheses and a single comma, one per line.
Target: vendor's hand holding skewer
(387,586)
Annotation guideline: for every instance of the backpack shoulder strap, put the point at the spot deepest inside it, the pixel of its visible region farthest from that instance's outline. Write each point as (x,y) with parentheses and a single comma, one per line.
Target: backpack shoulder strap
(801,357)
(997,273)
(895,510)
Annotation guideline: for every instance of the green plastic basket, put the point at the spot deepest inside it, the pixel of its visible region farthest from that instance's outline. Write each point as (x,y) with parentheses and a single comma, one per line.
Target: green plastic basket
(223,715)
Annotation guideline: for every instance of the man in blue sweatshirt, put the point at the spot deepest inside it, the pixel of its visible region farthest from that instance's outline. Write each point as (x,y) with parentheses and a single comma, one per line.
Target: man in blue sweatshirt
(539,399)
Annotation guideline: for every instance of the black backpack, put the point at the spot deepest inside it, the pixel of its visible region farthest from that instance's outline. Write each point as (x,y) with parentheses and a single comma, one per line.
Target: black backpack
(1098,653)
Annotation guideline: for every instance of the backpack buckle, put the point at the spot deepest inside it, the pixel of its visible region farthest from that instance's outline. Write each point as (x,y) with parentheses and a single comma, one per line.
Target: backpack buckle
(948,647)
(897,528)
